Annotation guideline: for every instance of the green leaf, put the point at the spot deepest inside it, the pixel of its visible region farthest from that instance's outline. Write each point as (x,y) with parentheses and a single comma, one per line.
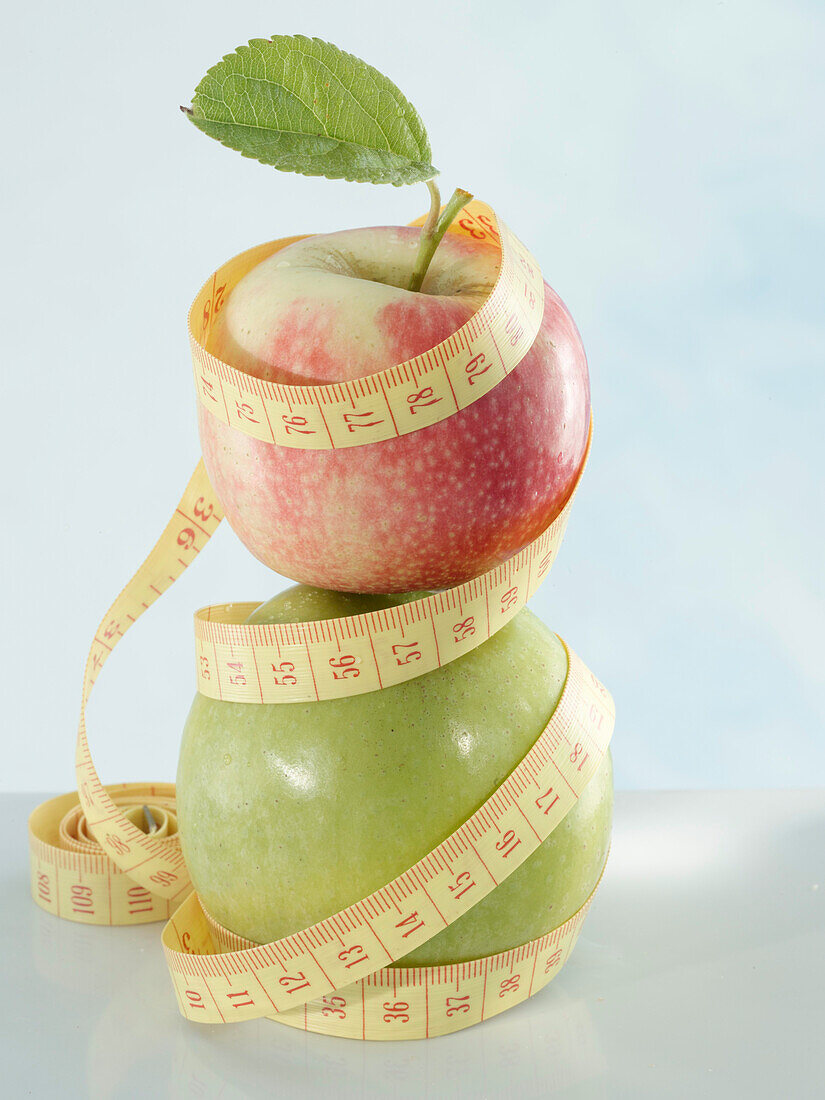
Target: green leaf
(303,105)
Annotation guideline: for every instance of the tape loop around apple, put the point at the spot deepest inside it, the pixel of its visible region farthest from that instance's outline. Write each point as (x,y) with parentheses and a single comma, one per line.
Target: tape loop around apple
(258,980)
(334,658)
(103,867)
(134,877)
(394,402)
(423,1002)
(426,1001)
(158,868)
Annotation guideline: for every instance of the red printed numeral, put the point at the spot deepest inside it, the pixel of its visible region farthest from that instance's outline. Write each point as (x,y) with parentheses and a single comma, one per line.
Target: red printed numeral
(245,412)
(234,998)
(210,309)
(239,679)
(404,658)
(356,420)
(203,510)
(283,674)
(488,225)
(293,982)
(598,685)
(465,223)
(544,805)
(526,266)
(345,666)
(469,225)
(82,901)
(411,923)
(578,749)
(553,960)
(208,389)
(396,1012)
(359,953)
(116,844)
(139,900)
(474,369)
(297,425)
(462,884)
(465,629)
(595,716)
(219,299)
(508,843)
(421,400)
(509,985)
(458,1004)
(43,890)
(334,1006)
(163,878)
(509,599)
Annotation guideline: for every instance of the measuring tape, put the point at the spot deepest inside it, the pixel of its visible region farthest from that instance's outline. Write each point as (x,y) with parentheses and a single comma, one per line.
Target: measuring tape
(248,981)
(73,877)
(263,663)
(422,1002)
(332,658)
(94,859)
(393,402)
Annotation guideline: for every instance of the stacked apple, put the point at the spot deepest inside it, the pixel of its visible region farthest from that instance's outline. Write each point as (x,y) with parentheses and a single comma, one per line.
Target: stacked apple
(322,803)
(426,510)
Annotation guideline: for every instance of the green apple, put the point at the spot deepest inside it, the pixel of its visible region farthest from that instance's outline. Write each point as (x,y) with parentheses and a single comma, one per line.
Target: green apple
(290,812)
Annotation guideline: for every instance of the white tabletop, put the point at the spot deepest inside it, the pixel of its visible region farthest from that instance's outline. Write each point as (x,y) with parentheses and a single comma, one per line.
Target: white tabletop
(700,973)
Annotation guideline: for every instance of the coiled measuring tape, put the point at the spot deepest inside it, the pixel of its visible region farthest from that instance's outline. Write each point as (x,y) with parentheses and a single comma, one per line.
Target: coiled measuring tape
(73,877)
(397,401)
(92,857)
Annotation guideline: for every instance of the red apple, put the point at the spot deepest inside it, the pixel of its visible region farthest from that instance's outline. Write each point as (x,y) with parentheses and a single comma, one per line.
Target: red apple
(430,509)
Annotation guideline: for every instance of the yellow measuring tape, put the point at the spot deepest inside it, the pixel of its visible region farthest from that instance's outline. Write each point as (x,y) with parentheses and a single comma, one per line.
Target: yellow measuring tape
(252,980)
(99,857)
(73,877)
(332,658)
(422,1002)
(392,402)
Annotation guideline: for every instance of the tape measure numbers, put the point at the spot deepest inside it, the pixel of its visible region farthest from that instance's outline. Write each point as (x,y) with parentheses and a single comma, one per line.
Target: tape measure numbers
(332,658)
(148,861)
(92,858)
(378,648)
(422,1002)
(73,877)
(393,402)
(214,987)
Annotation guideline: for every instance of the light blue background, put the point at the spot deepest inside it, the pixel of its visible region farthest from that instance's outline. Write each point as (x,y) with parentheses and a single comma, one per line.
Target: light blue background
(664,161)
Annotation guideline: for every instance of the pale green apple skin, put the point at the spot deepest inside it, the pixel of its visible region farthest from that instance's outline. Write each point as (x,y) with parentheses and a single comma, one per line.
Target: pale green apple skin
(290,812)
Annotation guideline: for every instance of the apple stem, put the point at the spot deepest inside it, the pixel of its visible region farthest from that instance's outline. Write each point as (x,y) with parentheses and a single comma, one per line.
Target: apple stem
(434,229)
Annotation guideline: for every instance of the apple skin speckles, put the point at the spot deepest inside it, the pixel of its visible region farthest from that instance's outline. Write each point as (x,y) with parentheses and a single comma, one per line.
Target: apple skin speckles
(424,511)
(326,802)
